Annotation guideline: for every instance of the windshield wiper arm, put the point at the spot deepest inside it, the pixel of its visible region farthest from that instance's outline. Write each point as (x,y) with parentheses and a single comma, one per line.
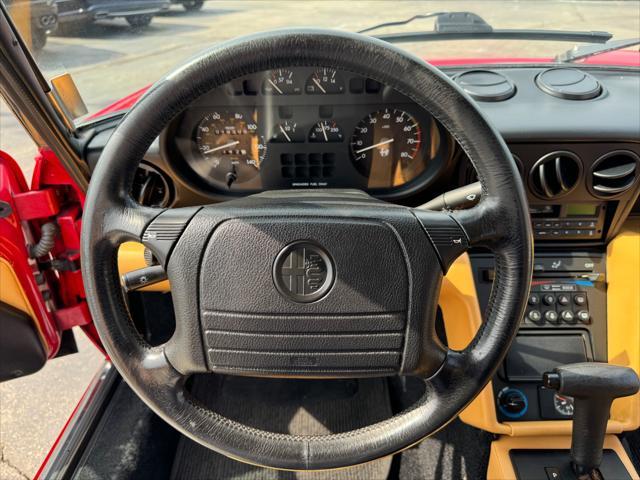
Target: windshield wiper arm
(586,51)
(468,26)
(402,22)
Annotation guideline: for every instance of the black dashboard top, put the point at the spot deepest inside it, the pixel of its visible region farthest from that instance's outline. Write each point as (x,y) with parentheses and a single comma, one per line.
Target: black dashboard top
(308,127)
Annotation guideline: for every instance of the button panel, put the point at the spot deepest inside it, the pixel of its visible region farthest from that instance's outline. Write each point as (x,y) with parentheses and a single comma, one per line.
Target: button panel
(565,229)
(557,304)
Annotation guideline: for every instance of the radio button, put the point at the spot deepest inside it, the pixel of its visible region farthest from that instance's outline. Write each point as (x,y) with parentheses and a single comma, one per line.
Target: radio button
(567,316)
(583,316)
(580,299)
(535,316)
(551,316)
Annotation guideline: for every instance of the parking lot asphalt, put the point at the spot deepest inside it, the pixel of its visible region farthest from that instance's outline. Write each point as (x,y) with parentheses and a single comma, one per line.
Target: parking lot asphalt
(110,60)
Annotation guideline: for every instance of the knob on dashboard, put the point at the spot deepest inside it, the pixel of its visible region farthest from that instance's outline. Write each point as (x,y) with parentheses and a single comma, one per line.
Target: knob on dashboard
(512,402)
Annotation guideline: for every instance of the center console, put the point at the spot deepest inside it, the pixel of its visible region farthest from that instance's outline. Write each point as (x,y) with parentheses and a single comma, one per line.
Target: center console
(565,322)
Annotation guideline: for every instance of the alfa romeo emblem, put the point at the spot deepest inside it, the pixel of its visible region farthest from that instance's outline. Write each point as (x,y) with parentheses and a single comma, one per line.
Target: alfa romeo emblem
(303,272)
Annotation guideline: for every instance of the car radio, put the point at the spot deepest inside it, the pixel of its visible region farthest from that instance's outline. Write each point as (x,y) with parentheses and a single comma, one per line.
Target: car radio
(572,221)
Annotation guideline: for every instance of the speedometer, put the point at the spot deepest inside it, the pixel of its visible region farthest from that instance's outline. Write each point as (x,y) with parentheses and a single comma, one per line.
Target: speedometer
(386,147)
(231,149)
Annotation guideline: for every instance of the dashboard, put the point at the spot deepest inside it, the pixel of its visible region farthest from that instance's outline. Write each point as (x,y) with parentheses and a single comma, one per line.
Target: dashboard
(573,131)
(306,127)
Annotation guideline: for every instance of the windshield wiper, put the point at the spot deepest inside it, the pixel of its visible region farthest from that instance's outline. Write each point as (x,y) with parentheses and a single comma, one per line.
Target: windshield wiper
(586,51)
(468,26)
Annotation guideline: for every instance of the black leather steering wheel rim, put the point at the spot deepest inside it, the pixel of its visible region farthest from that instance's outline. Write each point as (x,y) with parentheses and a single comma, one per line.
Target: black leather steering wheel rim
(499,222)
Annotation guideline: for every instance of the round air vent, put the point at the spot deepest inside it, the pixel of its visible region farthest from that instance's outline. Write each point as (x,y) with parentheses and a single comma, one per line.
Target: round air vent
(150,187)
(614,173)
(486,85)
(568,83)
(555,174)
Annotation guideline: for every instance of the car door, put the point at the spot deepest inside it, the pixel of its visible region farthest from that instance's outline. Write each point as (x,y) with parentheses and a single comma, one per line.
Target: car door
(41,292)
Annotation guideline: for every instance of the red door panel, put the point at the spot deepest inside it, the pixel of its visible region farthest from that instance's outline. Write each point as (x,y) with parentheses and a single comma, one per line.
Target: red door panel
(52,281)
(15,235)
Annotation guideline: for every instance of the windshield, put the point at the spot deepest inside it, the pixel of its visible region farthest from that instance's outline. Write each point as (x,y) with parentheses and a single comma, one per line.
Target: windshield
(114,48)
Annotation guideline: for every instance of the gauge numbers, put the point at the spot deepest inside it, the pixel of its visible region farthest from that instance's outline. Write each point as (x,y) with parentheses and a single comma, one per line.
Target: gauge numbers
(385,147)
(323,81)
(282,81)
(563,404)
(287,132)
(231,149)
(326,131)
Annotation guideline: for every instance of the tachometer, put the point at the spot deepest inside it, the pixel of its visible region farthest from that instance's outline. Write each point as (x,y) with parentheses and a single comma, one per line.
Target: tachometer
(325,80)
(386,148)
(230,146)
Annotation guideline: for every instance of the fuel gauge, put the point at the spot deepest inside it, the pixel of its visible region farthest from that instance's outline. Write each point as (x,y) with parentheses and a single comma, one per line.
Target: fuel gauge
(326,131)
(287,132)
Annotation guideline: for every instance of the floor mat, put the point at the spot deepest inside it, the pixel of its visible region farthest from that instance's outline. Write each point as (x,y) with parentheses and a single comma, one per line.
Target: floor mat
(631,441)
(301,407)
(457,452)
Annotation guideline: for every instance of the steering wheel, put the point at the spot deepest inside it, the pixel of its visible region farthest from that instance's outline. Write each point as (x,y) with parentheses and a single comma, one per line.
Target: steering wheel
(323,283)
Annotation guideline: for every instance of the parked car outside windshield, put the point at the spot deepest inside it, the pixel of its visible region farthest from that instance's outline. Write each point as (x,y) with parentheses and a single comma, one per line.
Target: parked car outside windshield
(104,48)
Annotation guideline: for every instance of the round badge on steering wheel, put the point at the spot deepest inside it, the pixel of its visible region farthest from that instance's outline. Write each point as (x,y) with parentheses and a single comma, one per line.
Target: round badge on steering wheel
(303,272)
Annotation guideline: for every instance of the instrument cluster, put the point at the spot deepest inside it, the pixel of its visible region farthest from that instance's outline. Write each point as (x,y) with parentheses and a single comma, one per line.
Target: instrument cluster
(307,127)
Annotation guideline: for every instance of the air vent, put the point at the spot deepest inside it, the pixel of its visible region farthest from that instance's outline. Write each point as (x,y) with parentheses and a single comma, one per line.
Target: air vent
(486,85)
(555,174)
(568,84)
(150,187)
(614,173)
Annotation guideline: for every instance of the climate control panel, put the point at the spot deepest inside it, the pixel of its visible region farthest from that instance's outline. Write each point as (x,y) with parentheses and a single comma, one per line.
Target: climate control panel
(565,321)
(564,303)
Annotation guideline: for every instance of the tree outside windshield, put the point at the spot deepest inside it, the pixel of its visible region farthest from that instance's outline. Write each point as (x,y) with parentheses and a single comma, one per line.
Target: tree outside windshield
(110,58)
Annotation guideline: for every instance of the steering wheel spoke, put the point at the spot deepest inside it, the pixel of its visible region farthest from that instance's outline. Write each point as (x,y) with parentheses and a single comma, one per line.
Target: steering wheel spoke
(127,221)
(485,225)
(446,235)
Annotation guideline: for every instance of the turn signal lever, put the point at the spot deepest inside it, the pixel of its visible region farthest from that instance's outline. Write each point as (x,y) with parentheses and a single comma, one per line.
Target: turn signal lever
(593,387)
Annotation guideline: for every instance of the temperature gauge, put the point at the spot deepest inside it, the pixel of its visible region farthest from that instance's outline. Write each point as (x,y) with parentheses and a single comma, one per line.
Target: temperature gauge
(281,82)
(326,131)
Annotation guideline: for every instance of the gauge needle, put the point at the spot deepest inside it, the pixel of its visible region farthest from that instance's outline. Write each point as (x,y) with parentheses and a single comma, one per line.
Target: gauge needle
(324,131)
(315,80)
(285,133)
(275,86)
(226,145)
(375,145)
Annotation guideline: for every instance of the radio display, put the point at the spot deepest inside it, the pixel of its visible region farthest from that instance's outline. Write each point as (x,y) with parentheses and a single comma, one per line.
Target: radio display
(581,209)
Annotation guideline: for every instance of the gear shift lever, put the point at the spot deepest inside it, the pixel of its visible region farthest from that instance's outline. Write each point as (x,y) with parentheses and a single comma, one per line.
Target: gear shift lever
(593,386)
